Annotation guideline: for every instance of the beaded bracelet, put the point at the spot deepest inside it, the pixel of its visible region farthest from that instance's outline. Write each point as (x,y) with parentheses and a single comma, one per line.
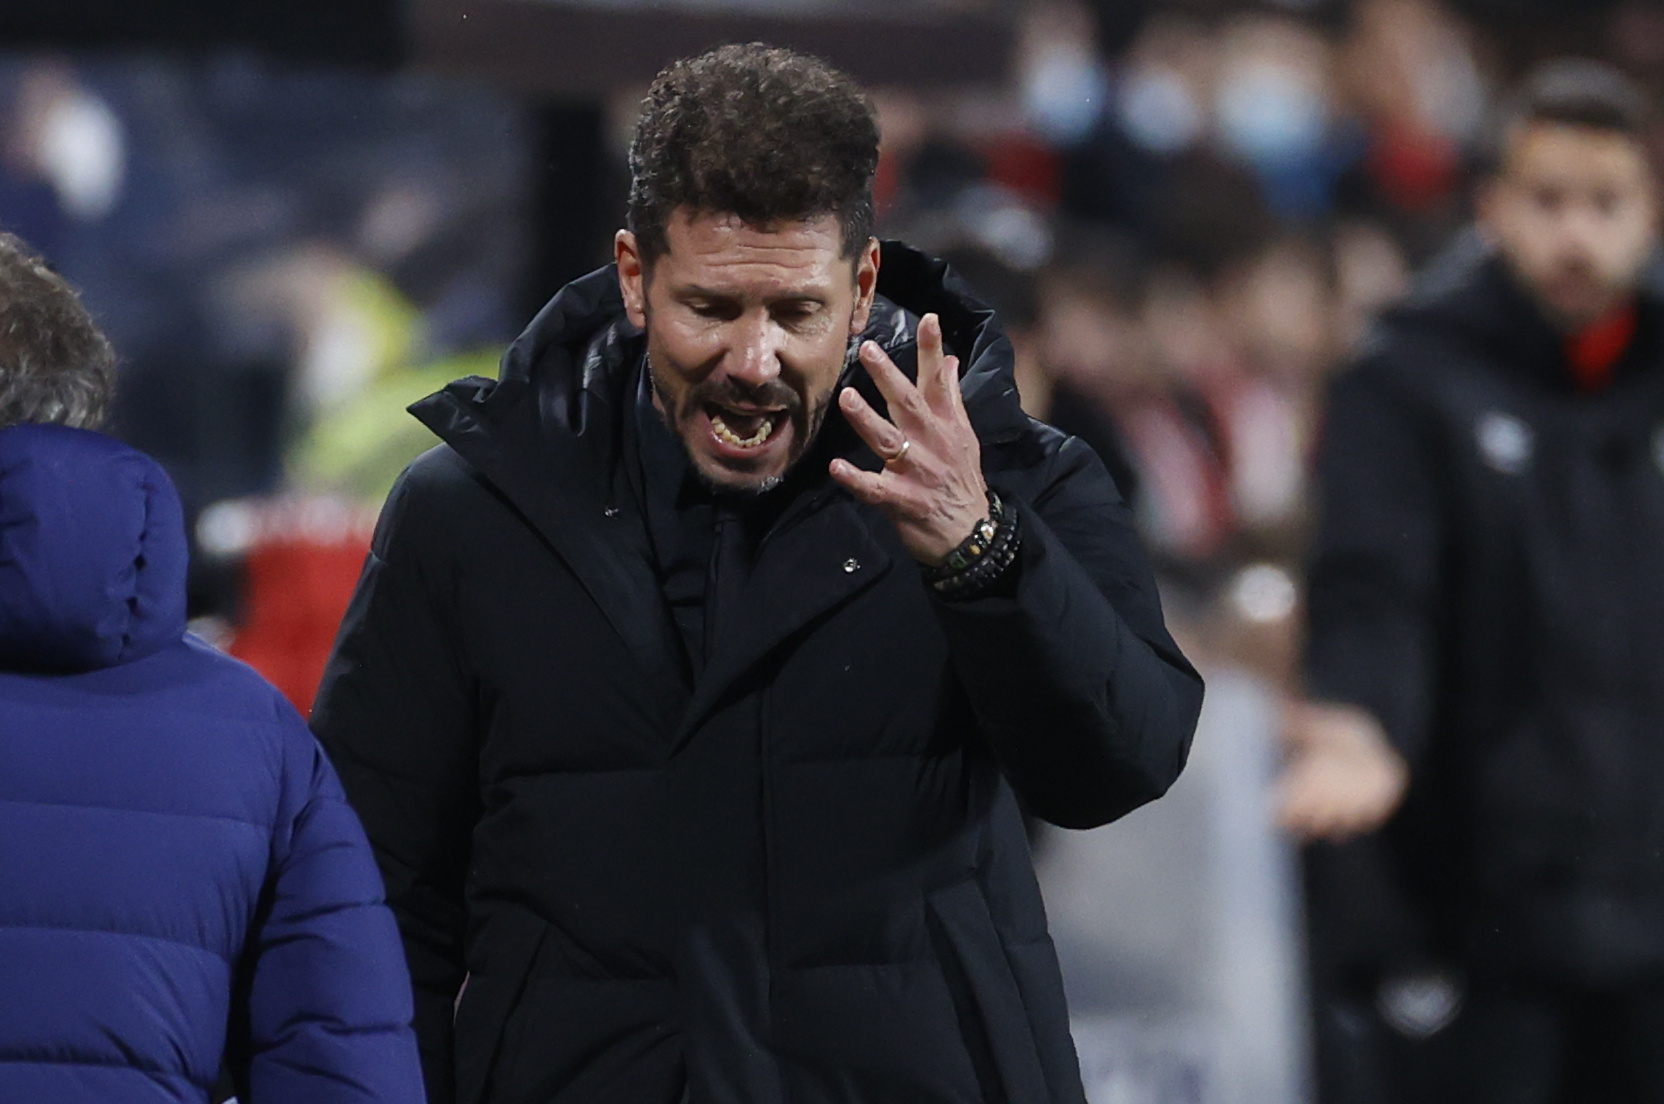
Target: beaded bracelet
(981,559)
(983,577)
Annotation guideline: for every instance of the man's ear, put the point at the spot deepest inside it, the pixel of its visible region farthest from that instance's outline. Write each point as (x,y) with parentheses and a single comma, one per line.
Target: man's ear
(632,277)
(866,286)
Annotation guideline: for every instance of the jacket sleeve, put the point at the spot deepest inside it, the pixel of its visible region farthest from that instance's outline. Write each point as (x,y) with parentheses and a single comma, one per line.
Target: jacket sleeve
(328,1009)
(1374,576)
(1088,703)
(395,712)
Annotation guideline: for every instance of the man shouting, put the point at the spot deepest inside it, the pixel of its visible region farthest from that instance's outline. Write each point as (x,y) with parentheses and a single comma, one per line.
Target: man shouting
(692,684)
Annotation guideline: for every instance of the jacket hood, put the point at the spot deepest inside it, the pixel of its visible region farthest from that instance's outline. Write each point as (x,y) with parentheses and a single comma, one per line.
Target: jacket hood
(92,552)
(575,353)
(1468,294)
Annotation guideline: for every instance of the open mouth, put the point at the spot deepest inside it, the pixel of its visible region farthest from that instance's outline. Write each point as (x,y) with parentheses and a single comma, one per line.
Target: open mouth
(743,429)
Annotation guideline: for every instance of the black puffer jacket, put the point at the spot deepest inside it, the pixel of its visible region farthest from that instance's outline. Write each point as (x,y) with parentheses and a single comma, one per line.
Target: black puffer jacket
(1489,581)
(802,877)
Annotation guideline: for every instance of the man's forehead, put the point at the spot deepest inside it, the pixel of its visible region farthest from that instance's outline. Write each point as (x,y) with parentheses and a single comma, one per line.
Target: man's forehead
(706,231)
(714,240)
(1573,148)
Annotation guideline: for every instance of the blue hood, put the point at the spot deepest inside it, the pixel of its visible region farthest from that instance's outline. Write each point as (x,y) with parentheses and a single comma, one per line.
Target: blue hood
(92,552)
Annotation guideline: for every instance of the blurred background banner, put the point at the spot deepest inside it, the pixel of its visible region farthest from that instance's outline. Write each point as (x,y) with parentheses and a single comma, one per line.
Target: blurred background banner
(294,218)
(575,47)
(352,32)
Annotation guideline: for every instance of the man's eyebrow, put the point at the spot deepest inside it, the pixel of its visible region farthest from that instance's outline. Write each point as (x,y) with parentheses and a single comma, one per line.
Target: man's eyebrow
(699,291)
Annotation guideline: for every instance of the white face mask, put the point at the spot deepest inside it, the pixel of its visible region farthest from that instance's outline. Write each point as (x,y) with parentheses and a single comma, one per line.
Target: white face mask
(1064,90)
(1269,116)
(1159,111)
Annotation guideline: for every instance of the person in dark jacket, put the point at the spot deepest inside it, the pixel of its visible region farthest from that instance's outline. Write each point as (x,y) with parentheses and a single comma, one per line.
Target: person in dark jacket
(183,888)
(1487,625)
(690,681)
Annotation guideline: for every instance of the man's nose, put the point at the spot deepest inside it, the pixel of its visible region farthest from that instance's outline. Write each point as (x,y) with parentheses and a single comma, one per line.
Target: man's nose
(754,356)
(1584,228)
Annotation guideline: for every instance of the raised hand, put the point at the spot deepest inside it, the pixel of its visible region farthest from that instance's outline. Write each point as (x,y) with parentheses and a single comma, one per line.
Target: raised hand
(931,485)
(1342,778)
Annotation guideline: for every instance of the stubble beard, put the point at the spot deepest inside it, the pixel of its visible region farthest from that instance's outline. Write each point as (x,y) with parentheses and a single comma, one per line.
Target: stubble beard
(806,419)
(1607,293)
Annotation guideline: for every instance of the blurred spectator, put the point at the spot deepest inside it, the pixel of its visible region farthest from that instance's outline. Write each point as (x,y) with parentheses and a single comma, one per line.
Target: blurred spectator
(274,248)
(261,210)
(1174,438)
(1280,307)
(1409,73)
(361,358)
(1273,111)
(1014,296)
(186,889)
(62,154)
(1487,621)
(1209,381)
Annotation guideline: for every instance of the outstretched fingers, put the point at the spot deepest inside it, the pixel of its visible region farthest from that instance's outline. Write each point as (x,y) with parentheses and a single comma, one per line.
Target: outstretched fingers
(906,405)
(931,484)
(938,371)
(864,485)
(902,499)
(918,409)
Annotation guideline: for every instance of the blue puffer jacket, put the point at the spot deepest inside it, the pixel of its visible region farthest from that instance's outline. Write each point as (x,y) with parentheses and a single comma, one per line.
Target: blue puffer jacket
(181,879)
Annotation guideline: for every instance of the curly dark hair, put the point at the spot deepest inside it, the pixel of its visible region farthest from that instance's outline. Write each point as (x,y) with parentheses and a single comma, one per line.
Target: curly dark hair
(55,364)
(755,131)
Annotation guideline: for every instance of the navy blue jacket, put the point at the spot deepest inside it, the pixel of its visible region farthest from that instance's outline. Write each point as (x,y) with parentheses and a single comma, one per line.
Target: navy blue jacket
(181,880)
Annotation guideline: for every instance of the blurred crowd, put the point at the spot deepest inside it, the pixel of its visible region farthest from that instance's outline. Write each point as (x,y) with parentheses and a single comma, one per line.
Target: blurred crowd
(1187,211)
(284,256)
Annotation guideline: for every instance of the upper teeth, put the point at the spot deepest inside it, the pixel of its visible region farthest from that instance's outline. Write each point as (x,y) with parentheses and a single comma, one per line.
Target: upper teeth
(728,436)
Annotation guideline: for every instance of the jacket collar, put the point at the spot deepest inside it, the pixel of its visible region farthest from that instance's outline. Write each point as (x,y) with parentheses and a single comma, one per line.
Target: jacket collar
(548,436)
